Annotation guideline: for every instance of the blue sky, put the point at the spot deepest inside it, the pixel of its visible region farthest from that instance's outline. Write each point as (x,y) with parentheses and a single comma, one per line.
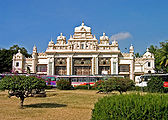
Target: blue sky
(33,22)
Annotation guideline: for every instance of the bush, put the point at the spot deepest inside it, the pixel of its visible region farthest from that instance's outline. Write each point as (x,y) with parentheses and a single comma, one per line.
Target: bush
(81,87)
(49,87)
(118,84)
(131,107)
(137,88)
(155,84)
(64,84)
(98,85)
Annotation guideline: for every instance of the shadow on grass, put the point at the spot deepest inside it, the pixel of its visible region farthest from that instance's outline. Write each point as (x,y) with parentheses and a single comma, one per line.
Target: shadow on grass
(45,105)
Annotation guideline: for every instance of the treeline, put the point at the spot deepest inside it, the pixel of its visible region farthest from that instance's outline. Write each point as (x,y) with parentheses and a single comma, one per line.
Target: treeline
(6,56)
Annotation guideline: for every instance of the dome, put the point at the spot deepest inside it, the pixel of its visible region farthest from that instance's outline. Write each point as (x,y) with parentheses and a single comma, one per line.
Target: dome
(115,43)
(148,54)
(132,47)
(104,37)
(61,37)
(82,28)
(19,53)
(51,42)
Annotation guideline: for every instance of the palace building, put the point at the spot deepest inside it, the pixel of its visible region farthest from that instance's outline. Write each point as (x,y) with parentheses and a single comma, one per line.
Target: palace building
(82,54)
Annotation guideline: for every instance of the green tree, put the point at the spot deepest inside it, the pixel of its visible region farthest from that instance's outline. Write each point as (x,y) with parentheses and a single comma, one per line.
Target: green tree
(22,86)
(161,57)
(164,56)
(6,56)
(156,51)
(137,55)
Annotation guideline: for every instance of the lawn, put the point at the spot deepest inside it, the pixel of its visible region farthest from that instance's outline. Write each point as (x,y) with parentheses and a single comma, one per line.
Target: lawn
(58,105)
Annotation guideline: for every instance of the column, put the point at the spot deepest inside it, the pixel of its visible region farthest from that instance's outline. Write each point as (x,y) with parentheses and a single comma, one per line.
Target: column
(68,66)
(112,66)
(96,65)
(34,65)
(50,66)
(53,67)
(117,65)
(93,64)
(132,70)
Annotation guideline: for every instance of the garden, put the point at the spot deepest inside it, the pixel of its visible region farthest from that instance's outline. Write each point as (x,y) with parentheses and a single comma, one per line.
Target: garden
(115,98)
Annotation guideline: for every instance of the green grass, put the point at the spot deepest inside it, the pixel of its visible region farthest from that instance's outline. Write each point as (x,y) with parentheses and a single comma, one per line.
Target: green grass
(58,105)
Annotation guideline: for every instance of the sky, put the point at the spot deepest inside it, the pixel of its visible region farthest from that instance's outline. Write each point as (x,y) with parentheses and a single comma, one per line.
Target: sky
(33,22)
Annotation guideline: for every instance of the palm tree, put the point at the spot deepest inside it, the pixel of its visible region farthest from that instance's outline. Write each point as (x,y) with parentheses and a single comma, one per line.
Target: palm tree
(164,54)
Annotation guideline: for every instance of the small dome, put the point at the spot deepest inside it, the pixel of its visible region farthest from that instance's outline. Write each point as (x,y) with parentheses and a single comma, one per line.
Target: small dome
(19,54)
(114,43)
(132,47)
(104,37)
(148,54)
(82,28)
(61,37)
(51,42)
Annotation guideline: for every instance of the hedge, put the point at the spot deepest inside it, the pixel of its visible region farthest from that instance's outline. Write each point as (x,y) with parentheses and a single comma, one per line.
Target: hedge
(131,107)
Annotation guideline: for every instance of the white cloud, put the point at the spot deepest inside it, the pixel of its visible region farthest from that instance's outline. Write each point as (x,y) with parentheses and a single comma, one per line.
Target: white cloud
(120,36)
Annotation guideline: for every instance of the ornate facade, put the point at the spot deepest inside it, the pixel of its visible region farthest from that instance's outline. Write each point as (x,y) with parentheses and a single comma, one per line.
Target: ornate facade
(82,54)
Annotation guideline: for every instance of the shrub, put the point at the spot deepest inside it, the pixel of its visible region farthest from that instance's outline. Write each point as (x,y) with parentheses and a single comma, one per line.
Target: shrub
(118,84)
(98,85)
(155,84)
(81,87)
(131,107)
(63,84)
(49,87)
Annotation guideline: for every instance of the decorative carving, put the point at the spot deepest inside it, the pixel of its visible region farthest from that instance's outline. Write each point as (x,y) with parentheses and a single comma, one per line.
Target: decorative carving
(60,61)
(104,62)
(82,62)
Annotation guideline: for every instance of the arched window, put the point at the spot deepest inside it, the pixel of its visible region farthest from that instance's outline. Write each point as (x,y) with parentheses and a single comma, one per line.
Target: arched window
(149,64)
(17,64)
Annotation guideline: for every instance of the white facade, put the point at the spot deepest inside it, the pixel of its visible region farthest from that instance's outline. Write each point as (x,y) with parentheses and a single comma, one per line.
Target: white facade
(83,55)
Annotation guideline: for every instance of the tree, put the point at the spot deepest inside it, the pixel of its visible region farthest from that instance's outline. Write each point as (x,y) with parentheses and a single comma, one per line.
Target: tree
(22,86)
(164,54)
(6,56)
(161,57)
(156,51)
(118,84)
(137,55)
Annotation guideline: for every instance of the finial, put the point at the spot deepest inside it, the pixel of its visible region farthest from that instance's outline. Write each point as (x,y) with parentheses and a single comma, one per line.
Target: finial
(104,34)
(19,51)
(34,45)
(82,23)
(70,36)
(51,38)
(61,34)
(94,37)
(147,49)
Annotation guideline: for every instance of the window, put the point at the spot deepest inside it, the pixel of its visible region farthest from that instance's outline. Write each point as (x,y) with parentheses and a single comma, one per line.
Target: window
(149,64)
(114,67)
(17,64)
(124,68)
(42,68)
(82,46)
